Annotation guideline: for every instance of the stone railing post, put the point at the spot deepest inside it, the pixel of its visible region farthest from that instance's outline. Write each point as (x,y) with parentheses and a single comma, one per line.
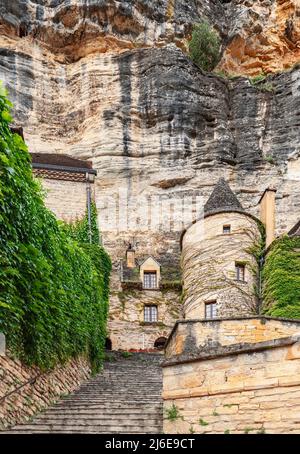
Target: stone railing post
(2,344)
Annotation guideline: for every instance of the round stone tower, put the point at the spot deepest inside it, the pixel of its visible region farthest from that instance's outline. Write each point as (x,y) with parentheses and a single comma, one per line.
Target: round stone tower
(220,272)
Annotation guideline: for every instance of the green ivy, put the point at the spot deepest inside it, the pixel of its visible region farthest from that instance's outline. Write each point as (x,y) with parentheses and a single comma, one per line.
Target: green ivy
(281,277)
(204,47)
(53,288)
(80,231)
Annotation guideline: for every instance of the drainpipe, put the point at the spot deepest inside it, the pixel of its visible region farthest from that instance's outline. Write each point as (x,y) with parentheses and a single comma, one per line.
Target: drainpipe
(89,180)
(260,269)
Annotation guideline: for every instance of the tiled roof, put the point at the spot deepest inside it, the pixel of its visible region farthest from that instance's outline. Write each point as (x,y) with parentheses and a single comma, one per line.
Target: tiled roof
(170,268)
(222,199)
(60,160)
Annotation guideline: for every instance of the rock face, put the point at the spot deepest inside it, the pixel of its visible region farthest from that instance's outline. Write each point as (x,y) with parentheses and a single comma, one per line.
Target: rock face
(263,36)
(109,82)
(74,29)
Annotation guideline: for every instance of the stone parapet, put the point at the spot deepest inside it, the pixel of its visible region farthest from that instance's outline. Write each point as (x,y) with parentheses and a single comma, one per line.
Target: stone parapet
(190,338)
(244,390)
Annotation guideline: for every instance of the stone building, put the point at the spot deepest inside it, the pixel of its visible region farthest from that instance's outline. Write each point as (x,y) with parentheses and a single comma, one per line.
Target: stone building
(220,271)
(68,183)
(145,301)
(225,370)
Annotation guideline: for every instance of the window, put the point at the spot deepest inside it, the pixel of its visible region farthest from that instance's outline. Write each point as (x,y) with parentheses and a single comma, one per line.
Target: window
(150,314)
(226,229)
(240,272)
(211,309)
(150,279)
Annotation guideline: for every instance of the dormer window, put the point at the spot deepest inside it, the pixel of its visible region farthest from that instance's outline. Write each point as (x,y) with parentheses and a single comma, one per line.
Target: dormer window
(240,272)
(150,279)
(150,274)
(226,229)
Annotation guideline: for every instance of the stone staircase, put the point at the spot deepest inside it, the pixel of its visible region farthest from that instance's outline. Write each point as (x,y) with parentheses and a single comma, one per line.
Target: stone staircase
(124,398)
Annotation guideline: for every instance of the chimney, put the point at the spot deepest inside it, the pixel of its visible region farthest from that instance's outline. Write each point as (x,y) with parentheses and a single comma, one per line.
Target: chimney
(267,214)
(130,257)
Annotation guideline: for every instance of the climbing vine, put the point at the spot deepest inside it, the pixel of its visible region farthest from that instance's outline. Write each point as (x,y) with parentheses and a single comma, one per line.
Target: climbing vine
(53,287)
(281,277)
(80,230)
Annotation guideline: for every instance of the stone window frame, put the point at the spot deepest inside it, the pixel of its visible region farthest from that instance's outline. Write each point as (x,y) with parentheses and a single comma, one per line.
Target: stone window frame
(151,284)
(151,306)
(150,265)
(238,267)
(213,309)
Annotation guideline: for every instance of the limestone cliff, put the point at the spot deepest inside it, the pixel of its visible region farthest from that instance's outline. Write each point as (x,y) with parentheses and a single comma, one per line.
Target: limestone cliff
(263,36)
(106,81)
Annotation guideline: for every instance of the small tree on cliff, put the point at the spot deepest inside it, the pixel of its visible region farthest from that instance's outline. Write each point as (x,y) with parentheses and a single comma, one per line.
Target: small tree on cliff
(204,46)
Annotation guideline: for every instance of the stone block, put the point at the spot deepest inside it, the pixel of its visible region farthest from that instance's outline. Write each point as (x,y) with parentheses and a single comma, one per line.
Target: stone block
(293,352)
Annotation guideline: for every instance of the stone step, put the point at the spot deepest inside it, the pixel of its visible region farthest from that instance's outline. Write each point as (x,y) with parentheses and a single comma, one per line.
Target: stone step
(98,420)
(107,409)
(124,398)
(117,398)
(96,428)
(89,414)
(109,404)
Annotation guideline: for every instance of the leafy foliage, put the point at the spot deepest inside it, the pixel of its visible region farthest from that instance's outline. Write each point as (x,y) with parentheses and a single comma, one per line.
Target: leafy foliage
(204,46)
(172,413)
(53,290)
(281,276)
(79,230)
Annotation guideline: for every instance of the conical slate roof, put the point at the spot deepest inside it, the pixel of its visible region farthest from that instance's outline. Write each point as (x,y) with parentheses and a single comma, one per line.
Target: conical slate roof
(222,199)
(295,231)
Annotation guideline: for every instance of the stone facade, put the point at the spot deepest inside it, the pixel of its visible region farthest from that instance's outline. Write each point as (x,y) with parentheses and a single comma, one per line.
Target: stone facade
(254,391)
(233,376)
(209,259)
(67,199)
(127,328)
(194,337)
(41,390)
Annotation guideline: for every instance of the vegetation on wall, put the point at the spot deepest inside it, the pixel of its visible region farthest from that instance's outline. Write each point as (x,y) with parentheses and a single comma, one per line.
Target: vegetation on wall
(281,277)
(53,286)
(80,230)
(204,47)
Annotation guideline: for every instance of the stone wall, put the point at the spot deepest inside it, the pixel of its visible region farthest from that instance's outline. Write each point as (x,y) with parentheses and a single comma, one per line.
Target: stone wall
(208,265)
(67,199)
(126,327)
(243,392)
(47,388)
(194,337)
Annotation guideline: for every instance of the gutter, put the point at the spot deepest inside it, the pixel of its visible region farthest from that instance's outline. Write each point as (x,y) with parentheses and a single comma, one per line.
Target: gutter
(37,165)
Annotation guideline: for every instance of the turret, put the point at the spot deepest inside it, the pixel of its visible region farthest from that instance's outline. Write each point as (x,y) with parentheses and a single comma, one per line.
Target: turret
(220,271)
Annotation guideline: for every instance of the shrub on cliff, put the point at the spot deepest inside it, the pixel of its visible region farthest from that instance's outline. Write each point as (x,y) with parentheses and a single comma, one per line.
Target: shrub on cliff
(281,277)
(204,47)
(53,289)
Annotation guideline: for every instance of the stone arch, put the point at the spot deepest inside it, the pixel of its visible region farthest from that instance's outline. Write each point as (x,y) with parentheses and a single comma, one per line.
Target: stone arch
(108,344)
(160,343)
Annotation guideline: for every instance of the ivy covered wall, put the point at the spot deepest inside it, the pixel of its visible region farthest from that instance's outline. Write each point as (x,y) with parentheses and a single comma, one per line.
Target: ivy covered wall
(281,277)
(53,284)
